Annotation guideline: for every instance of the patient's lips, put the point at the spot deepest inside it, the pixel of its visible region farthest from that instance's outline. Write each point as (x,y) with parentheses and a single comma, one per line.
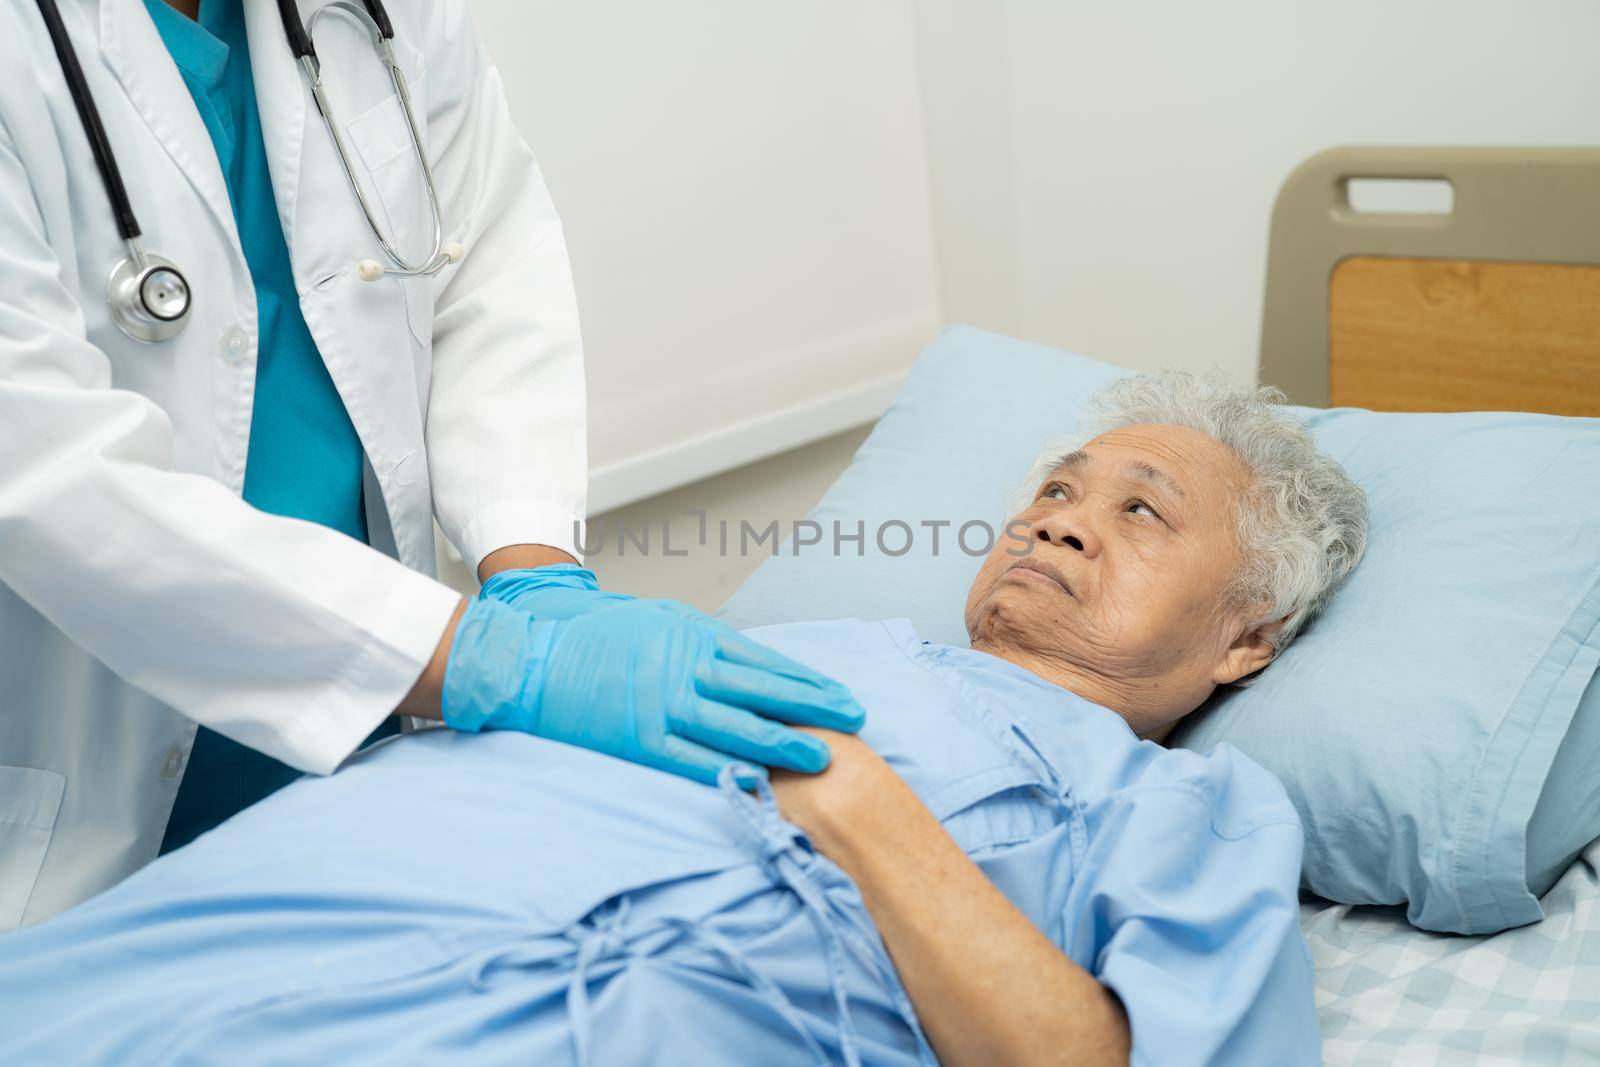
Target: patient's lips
(1039,572)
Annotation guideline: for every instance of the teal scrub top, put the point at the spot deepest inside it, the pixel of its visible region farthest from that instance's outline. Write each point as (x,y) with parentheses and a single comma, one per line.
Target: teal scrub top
(305,459)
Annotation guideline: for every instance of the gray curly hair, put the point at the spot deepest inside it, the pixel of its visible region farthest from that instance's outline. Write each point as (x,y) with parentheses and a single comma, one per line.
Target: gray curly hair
(1302,528)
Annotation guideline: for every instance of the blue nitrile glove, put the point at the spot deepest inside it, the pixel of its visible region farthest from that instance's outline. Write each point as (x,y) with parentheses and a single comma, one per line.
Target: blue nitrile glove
(557,591)
(651,681)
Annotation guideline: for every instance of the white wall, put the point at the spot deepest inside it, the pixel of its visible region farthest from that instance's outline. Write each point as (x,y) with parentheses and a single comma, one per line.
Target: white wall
(1114,165)
(784,487)
(744,190)
(771,206)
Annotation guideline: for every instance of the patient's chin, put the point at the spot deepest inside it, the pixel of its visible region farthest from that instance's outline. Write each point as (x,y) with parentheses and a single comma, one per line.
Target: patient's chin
(1007,617)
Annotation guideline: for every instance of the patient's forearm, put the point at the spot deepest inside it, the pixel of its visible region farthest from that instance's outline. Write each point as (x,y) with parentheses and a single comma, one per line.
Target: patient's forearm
(987,985)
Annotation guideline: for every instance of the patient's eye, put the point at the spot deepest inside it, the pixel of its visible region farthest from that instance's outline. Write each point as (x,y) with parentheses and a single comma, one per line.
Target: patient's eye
(1135,505)
(1054,491)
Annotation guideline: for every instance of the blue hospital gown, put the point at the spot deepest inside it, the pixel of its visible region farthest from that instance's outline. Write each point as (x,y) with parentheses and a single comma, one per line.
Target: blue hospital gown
(499,899)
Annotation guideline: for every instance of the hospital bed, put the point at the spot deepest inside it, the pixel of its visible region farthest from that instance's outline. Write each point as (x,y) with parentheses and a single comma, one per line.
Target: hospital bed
(1491,306)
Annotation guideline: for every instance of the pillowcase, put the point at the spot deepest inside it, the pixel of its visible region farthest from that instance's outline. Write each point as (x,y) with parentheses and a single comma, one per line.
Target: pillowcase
(1431,726)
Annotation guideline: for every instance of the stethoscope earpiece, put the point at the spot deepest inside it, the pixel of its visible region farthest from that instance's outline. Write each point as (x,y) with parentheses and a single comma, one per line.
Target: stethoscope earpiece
(371,15)
(370,270)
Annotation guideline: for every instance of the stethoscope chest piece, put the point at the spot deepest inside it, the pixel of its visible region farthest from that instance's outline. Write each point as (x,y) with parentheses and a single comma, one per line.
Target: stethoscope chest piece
(148,296)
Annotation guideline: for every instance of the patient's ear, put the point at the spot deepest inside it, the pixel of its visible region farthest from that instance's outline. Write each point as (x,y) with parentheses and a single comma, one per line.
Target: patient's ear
(1250,651)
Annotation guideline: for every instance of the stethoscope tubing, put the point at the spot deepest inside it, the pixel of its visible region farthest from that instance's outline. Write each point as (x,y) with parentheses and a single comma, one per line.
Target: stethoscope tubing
(438,256)
(300,42)
(142,285)
(82,99)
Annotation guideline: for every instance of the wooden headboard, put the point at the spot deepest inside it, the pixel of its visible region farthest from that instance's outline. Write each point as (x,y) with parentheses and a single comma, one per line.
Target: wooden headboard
(1490,305)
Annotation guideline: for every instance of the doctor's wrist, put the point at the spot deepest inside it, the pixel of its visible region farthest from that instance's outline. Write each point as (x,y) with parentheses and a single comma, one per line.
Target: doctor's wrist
(425,700)
(521,557)
(554,591)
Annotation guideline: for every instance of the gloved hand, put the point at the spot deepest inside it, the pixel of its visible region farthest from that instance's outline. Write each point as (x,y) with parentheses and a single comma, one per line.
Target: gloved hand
(651,681)
(557,591)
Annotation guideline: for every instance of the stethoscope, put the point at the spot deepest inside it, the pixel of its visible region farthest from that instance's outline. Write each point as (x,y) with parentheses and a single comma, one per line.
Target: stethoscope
(148,295)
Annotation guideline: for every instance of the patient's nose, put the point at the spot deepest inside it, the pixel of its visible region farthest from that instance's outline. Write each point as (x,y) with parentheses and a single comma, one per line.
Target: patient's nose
(1067,528)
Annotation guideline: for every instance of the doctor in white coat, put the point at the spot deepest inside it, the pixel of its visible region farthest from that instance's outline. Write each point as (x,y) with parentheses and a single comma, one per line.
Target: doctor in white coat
(145,598)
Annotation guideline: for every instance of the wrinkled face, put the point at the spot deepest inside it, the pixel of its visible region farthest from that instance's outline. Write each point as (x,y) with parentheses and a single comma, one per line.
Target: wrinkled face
(1134,538)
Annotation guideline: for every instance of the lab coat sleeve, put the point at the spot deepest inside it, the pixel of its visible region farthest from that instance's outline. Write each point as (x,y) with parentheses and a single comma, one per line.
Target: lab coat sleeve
(506,422)
(1198,933)
(283,635)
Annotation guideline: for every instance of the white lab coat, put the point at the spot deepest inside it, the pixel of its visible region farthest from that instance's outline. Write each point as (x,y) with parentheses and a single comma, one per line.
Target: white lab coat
(139,595)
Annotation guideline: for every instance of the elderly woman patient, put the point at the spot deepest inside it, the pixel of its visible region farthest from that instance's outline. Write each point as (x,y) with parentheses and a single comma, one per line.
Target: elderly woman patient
(1006,866)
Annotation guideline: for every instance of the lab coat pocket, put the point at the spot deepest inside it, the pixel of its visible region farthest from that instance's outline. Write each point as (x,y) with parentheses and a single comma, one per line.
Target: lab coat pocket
(397,192)
(29,801)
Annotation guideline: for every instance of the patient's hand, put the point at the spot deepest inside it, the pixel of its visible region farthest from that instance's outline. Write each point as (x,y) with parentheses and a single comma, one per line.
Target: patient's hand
(990,988)
(823,805)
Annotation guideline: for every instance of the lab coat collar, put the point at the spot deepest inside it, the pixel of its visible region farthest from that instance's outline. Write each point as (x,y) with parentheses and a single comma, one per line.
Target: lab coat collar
(281,101)
(134,51)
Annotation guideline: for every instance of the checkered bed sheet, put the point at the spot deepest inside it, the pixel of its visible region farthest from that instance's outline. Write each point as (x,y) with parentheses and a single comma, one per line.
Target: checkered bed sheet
(1388,993)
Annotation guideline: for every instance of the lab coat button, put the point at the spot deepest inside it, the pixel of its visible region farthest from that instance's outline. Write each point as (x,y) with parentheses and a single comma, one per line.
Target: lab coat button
(235,344)
(173,763)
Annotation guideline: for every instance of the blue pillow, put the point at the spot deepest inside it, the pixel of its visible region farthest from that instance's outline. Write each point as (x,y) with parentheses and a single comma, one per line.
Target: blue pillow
(1431,727)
